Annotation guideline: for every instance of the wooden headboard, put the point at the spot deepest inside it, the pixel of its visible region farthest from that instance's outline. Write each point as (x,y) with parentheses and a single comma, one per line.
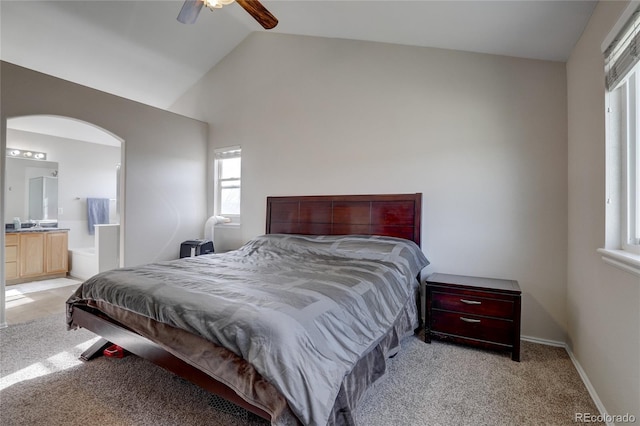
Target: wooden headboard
(393,215)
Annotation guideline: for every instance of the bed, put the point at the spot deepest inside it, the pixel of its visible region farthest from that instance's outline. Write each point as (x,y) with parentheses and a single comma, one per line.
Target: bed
(294,326)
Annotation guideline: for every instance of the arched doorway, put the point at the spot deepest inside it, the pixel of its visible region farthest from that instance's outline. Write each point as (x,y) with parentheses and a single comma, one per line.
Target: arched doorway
(87,163)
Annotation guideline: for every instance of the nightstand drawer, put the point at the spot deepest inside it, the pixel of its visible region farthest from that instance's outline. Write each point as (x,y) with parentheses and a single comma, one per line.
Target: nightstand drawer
(475,327)
(472,304)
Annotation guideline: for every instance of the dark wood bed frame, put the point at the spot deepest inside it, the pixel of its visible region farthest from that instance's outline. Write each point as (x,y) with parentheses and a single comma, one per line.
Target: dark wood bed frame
(396,215)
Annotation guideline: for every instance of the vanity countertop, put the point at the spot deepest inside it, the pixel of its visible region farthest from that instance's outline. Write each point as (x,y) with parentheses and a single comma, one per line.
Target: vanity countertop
(33,229)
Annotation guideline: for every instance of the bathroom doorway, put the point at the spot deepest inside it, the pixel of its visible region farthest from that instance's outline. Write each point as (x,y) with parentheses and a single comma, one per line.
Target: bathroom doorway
(88,166)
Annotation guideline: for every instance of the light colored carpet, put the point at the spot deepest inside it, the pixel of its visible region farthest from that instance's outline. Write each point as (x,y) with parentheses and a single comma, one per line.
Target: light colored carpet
(43,383)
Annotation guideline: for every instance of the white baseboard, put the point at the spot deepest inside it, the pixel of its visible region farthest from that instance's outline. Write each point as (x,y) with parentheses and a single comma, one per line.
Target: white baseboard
(547,342)
(587,383)
(583,375)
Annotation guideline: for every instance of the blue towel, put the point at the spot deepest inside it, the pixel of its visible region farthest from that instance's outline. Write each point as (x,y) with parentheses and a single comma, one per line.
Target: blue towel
(97,212)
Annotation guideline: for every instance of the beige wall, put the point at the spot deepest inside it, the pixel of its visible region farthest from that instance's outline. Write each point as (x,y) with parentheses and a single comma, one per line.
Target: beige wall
(603,303)
(165,193)
(483,138)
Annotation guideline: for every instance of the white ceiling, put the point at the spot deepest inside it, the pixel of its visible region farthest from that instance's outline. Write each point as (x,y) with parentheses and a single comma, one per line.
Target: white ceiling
(137,49)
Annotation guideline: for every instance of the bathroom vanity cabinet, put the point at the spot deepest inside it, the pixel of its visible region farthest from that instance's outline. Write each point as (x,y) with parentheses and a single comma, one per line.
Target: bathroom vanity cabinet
(12,255)
(32,255)
(56,253)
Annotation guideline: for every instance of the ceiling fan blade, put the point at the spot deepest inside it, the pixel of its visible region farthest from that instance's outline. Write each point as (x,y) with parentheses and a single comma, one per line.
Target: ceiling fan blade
(190,10)
(259,13)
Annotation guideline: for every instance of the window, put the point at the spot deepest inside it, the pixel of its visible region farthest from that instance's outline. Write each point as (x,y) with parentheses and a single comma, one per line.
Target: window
(623,164)
(622,245)
(227,172)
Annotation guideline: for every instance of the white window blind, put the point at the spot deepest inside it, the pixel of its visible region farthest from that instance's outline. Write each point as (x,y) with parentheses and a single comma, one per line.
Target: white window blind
(622,54)
(225,153)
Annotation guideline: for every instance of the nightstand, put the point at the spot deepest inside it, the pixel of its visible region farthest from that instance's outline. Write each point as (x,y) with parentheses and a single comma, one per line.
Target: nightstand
(483,312)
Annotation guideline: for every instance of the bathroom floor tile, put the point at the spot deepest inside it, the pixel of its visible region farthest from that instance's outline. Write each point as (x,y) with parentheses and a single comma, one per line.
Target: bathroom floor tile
(30,305)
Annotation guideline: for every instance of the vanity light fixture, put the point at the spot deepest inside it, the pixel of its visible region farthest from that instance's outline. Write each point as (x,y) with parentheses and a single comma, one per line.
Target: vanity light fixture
(18,153)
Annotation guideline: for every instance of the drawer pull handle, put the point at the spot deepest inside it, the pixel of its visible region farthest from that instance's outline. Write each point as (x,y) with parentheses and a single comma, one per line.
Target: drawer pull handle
(469,320)
(470,302)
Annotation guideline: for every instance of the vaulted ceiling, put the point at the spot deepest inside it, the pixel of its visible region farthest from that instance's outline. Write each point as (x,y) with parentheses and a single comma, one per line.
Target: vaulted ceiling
(138,50)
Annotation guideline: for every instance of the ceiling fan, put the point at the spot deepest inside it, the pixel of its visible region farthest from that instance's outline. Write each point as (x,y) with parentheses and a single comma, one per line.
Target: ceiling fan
(191,8)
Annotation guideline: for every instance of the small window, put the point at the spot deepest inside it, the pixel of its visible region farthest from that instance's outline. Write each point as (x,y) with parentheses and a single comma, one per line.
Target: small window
(227,174)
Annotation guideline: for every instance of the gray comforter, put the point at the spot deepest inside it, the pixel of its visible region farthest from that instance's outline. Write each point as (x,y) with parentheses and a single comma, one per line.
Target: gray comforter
(301,309)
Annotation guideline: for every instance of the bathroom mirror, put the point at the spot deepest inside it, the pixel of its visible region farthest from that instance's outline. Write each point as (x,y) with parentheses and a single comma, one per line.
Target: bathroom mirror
(31,190)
